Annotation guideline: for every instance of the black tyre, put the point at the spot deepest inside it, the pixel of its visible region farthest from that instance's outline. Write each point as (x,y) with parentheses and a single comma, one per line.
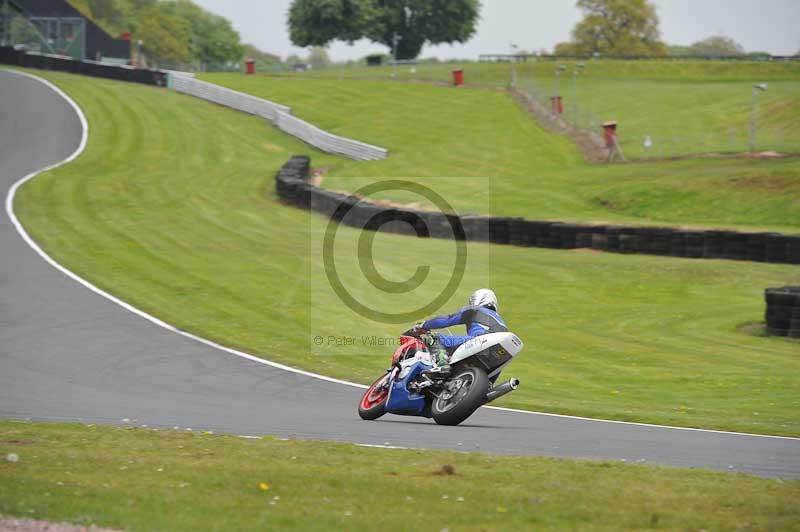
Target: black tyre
(373,402)
(779,312)
(468,392)
(783,298)
(777,332)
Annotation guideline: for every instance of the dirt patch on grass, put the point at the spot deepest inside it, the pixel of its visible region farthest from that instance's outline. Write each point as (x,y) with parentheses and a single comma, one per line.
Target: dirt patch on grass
(590,143)
(586,250)
(318,175)
(764,183)
(272,147)
(753,329)
(764,155)
(31,525)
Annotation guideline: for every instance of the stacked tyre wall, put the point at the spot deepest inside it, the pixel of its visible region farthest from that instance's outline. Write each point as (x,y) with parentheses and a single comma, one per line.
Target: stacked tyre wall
(10,56)
(292,186)
(783,311)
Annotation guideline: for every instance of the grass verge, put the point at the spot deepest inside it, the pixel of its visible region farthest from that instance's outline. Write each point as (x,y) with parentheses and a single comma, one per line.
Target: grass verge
(170,480)
(684,106)
(172,208)
(433,132)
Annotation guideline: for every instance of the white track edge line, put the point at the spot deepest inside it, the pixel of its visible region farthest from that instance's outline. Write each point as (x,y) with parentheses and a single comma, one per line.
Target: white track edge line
(84,138)
(379,446)
(26,237)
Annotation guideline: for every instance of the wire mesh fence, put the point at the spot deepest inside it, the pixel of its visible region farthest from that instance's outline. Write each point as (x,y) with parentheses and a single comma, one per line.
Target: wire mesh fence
(664,109)
(672,117)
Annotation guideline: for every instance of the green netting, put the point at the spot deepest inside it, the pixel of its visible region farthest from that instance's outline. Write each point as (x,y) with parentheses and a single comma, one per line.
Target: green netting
(62,36)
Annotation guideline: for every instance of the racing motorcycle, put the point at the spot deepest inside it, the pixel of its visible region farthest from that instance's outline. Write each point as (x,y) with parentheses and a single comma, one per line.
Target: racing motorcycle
(407,389)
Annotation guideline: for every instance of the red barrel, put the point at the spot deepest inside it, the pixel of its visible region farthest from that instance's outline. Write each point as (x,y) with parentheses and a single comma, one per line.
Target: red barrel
(609,132)
(458,77)
(557,104)
(250,66)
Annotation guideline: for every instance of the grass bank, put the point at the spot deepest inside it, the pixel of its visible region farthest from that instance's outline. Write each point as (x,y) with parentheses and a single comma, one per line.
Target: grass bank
(684,106)
(433,132)
(499,74)
(172,208)
(169,480)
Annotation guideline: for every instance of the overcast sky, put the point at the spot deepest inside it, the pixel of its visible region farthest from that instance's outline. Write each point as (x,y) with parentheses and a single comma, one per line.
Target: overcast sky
(765,25)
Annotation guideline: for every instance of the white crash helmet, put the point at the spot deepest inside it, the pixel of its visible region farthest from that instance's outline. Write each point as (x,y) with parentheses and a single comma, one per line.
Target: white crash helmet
(483,298)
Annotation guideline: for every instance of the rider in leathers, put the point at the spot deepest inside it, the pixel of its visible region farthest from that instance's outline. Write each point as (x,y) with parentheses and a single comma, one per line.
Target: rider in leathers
(480,317)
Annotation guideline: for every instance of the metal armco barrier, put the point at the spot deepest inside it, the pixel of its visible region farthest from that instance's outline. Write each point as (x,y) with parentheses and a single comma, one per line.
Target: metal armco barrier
(328,141)
(292,186)
(280,115)
(186,83)
(227,97)
(783,311)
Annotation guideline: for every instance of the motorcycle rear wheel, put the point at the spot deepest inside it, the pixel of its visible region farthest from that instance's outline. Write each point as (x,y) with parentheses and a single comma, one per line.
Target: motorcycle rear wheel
(373,402)
(470,393)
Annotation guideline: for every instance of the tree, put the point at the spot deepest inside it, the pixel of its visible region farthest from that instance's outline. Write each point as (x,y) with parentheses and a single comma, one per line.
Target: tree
(414,22)
(618,27)
(212,38)
(295,59)
(172,30)
(165,36)
(566,49)
(679,50)
(83,7)
(758,55)
(318,57)
(263,59)
(717,46)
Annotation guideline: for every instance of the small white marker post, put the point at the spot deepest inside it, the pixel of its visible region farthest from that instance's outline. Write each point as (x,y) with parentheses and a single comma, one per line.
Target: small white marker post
(761,87)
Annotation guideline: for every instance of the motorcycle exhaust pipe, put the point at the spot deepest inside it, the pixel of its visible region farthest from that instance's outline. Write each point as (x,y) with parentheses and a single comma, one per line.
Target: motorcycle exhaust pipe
(502,389)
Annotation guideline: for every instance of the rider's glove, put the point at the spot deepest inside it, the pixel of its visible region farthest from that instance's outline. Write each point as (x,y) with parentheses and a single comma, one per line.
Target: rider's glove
(419,326)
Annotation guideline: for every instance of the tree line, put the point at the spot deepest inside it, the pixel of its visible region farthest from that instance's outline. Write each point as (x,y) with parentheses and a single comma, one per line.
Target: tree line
(179,31)
(171,32)
(608,27)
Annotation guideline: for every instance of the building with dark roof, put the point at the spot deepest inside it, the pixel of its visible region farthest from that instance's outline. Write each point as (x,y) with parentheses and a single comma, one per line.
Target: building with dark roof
(65,31)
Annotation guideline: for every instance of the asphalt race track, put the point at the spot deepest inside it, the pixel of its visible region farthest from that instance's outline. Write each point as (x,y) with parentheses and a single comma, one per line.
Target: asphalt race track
(67,353)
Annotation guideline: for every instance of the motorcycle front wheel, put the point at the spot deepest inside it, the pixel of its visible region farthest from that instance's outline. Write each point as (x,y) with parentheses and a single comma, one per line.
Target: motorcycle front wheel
(465,393)
(373,402)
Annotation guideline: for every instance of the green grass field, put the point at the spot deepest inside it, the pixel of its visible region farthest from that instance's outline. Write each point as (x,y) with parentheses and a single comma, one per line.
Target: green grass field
(684,106)
(433,132)
(172,208)
(499,74)
(170,480)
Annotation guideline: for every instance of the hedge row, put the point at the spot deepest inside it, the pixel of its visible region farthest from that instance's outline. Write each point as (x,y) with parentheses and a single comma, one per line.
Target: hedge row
(292,186)
(10,56)
(783,311)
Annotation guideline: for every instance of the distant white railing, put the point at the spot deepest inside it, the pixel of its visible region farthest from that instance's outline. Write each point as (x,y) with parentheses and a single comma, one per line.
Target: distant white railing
(280,115)
(227,97)
(328,141)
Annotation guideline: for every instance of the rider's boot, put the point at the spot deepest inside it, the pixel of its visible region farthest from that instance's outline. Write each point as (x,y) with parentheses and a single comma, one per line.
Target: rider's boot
(441,366)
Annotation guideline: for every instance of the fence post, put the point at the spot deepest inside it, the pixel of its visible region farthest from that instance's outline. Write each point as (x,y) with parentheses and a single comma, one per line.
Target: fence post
(756,88)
